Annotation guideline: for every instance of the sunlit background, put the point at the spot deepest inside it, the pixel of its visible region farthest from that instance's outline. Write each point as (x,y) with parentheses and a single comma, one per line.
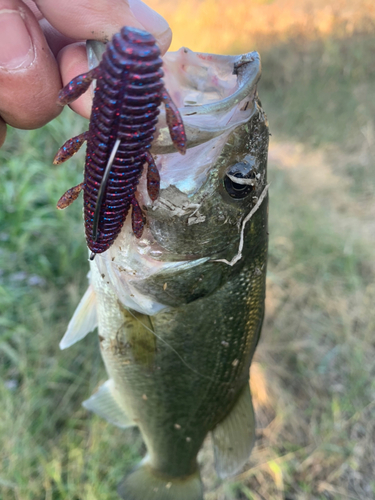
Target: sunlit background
(314,370)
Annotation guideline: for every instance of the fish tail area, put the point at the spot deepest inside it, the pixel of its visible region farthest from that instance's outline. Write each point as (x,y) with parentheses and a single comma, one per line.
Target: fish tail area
(146,484)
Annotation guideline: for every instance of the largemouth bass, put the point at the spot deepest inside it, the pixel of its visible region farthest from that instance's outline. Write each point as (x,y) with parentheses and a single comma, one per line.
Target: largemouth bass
(179,311)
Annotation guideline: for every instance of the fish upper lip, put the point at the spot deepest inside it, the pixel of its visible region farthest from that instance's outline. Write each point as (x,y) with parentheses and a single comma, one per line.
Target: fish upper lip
(247,69)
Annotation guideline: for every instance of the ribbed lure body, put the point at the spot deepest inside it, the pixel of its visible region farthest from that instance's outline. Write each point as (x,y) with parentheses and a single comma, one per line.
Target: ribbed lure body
(129,90)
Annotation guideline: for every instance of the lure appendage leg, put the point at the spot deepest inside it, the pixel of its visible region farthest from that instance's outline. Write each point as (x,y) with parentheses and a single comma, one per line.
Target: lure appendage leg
(153,177)
(138,220)
(174,122)
(69,196)
(69,148)
(76,87)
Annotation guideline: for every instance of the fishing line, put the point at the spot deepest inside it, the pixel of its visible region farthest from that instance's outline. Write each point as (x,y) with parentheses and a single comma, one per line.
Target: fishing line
(102,190)
(172,349)
(256,207)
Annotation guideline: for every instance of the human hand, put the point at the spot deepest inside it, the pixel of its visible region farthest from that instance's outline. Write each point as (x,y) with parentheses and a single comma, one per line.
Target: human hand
(42,48)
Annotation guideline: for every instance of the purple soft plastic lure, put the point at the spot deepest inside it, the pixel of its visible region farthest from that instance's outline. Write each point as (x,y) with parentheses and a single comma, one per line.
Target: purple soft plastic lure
(129,91)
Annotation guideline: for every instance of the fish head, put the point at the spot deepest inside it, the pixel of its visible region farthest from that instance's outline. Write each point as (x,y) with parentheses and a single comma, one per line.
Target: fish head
(202,227)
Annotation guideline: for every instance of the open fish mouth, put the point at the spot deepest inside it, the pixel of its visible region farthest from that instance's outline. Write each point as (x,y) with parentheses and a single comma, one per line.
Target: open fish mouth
(214,95)
(212,92)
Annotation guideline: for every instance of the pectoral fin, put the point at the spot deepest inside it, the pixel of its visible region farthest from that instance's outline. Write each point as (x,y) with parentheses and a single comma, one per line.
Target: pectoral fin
(84,320)
(234,437)
(104,403)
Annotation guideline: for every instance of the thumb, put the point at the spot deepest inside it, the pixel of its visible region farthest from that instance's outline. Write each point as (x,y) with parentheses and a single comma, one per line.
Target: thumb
(29,75)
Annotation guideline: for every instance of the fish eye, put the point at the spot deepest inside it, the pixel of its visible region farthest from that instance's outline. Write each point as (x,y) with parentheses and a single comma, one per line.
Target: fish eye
(246,175)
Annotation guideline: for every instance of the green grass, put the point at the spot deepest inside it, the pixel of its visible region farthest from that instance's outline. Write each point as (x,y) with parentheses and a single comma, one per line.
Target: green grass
(50,448)
(316,429)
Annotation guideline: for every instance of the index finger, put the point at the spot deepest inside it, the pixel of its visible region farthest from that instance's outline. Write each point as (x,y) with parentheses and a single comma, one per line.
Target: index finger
(101,19)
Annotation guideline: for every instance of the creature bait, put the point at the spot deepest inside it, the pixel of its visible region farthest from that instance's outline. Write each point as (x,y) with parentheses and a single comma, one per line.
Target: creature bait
(129,91)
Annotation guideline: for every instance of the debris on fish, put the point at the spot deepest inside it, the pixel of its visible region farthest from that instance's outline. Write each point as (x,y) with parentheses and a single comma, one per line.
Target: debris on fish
(180,310)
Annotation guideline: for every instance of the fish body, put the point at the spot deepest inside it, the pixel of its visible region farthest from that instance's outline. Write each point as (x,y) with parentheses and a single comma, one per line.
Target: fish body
(180,311)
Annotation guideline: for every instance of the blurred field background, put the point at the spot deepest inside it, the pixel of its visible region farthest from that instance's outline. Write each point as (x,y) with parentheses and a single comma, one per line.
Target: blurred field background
(313,375)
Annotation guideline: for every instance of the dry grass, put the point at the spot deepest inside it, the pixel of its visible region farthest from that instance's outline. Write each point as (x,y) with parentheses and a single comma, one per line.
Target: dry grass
(311,377)
(220,26)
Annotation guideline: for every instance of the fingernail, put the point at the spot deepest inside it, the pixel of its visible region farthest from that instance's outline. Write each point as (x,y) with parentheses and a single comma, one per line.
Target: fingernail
(16,48)
(150,20)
